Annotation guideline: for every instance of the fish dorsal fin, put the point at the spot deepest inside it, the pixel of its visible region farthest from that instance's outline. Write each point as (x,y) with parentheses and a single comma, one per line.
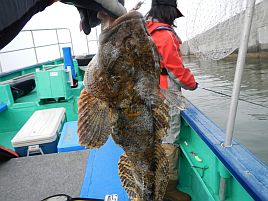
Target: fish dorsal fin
(93,121)
(161,173)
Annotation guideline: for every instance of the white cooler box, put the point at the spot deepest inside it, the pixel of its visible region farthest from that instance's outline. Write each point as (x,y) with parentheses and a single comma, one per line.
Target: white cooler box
(40,133)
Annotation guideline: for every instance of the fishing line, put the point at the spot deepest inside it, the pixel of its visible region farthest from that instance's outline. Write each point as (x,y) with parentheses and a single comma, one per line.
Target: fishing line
(223,94)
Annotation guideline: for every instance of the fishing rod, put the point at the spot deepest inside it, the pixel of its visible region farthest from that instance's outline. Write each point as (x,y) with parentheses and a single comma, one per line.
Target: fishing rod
(223,94)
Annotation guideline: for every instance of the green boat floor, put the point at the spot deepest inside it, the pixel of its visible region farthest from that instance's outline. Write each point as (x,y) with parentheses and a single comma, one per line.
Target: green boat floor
(31,97)
(5,139)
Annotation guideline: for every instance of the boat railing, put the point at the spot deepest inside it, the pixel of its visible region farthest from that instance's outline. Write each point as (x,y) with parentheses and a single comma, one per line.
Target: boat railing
(27,76)
(35,45)
(92,40)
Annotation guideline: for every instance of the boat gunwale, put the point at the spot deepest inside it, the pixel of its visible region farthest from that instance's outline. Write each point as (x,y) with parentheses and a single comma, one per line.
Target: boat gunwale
(4,74)
(249,171)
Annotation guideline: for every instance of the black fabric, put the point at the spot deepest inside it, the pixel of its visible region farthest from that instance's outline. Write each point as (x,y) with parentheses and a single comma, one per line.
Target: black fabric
(88,10)
(88,19)
(64,197)
(164,71)
(13,10)
(22,88)
(84,60)
(172,3)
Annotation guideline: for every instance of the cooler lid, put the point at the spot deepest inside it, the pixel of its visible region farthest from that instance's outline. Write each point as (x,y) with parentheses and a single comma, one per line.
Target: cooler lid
(40,128)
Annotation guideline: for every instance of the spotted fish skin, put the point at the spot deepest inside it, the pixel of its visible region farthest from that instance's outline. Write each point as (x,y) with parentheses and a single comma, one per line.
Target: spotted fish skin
(122,98)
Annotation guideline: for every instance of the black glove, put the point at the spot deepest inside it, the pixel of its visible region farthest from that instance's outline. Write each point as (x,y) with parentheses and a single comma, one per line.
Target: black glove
(88,19)
(196,86)
(88,10)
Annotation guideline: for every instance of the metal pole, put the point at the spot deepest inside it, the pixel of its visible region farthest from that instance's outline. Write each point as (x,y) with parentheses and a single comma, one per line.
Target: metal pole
(58,41)
(223,185)
(239,71)
(236,89)
(87,45)
(1,70)
(34,46)
(96,31)
(71,41)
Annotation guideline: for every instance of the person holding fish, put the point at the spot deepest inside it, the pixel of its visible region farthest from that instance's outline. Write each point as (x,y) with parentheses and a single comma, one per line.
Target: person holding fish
(160,22)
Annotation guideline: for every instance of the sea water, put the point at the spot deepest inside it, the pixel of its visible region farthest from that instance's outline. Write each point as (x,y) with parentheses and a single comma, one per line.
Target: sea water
(215,80)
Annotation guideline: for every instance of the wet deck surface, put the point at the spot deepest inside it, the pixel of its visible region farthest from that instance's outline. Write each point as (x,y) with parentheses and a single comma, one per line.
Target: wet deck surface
(36,177)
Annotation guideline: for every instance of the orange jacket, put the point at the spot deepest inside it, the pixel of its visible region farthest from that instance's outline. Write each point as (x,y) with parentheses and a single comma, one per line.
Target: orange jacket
(168,45)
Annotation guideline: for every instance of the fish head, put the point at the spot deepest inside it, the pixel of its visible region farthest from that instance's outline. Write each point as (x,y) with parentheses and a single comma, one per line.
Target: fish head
(127,54)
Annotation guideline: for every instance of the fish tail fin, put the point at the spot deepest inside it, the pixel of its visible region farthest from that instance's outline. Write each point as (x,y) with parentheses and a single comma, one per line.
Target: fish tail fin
(127,178)
(161,173)
(93,121)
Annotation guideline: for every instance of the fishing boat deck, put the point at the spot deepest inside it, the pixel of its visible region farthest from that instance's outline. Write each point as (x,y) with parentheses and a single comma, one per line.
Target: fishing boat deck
(5,139)
(37,177)
(31,97)
(82,173)
(77,173)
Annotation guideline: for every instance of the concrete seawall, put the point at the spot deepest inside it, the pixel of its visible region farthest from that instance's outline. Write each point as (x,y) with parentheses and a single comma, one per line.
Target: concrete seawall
(258,42)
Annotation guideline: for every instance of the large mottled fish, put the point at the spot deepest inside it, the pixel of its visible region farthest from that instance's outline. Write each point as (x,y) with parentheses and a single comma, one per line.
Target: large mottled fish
(122,98)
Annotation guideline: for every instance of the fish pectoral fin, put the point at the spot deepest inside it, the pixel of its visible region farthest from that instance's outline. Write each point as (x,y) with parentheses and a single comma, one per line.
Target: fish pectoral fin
(161,173)
(93,121)
(127,178)
(174,98)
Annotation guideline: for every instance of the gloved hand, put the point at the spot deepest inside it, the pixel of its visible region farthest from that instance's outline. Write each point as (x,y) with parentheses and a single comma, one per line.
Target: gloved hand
(196,86)
(88,10)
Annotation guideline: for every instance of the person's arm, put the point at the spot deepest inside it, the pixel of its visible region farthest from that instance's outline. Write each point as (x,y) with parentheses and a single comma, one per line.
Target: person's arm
(16,13)
(168,47)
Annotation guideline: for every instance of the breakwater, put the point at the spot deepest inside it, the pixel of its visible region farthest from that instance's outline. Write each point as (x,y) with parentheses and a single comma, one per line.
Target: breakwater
(220,35)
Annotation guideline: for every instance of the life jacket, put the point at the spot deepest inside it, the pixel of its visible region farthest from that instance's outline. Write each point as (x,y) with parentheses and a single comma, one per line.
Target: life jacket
(168,44)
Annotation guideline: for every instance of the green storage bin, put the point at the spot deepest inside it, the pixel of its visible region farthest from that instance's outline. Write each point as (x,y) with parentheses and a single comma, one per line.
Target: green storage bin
(53,83)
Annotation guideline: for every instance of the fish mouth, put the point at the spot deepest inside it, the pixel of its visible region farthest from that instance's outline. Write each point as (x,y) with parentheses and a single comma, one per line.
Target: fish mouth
(131,15)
